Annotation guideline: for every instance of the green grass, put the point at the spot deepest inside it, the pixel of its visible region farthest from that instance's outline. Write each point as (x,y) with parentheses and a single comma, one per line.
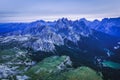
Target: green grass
(82,73)
(47,70)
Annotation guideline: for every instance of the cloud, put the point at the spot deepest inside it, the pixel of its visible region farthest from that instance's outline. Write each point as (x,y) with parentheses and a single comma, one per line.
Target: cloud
(28,10)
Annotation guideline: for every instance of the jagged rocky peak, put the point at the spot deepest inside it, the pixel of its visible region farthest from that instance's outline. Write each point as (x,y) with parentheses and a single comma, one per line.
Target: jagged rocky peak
(41,22)
(49,34)
(110,26)
(83,19)
(96,21)
(62,23)
(63,20)
(45,35)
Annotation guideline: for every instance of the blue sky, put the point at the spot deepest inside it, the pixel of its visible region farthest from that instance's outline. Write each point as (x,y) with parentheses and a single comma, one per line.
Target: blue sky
(30,10)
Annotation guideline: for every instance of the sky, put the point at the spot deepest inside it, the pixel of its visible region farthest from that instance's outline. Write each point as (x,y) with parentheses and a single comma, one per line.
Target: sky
(49,10)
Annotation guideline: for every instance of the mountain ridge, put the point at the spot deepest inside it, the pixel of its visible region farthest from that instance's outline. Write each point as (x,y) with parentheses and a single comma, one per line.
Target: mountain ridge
(86,43)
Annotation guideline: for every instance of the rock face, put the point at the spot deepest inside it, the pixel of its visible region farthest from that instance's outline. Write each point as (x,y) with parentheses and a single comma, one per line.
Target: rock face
(43,36)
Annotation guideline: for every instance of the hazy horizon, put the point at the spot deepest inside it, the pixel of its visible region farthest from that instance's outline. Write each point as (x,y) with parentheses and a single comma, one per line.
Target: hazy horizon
(50,10)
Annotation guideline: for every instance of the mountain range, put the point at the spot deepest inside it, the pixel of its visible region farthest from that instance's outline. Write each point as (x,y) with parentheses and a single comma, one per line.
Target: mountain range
(86,42)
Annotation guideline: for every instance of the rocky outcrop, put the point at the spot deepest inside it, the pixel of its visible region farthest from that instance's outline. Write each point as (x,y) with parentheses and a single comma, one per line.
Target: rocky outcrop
(13,63)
